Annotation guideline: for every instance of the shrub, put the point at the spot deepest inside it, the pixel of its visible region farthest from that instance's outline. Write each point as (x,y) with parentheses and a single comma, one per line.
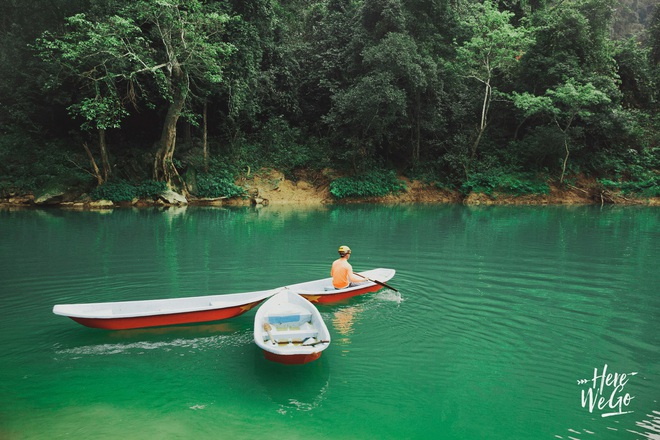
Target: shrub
(645,188)
(634,172)
(516,184)
(376,183)
(122,191)
(219,184)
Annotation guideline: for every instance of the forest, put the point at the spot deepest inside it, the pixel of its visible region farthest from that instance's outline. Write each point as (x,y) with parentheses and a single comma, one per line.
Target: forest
(120,100)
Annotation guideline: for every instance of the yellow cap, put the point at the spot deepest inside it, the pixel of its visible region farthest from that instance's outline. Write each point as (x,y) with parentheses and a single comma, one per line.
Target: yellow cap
(344,250)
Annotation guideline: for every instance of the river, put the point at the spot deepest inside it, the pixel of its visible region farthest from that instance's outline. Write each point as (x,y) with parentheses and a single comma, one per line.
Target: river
(509,323)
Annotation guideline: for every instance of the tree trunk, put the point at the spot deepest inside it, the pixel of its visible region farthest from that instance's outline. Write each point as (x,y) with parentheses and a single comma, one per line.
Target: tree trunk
(105,162)
(418,131)
(565,132)
(97,172)
(563,168)
(205,144)
(484,120)
(482,126)
(164,169)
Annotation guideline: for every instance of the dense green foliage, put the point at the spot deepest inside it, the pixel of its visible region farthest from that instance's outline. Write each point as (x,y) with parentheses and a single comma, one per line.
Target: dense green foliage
(122,191)
(375,183)
(217,180)
(517,184)
(39,166)
(483,96)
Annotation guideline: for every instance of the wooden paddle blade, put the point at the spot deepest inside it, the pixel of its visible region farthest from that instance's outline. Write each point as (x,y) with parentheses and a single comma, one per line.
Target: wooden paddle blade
(384,285)
(377,282)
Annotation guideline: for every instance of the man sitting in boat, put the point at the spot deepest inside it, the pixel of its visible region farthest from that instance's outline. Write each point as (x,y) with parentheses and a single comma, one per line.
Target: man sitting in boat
(342,271)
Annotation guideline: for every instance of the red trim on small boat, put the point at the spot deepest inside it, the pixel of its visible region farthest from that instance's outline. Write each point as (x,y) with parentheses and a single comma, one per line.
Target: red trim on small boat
(292,359)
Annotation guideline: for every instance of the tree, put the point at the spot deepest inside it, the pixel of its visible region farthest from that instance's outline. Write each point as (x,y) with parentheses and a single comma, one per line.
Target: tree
(328,59)
(411,74)
(25,107)
(186,38)
(153,49)
(573,46)
(88,54)
(563,105)
(492,48)
(654,35)
(383,82)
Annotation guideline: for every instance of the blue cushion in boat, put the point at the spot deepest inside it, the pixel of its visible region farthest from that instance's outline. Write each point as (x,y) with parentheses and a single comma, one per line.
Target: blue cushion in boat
(289,318)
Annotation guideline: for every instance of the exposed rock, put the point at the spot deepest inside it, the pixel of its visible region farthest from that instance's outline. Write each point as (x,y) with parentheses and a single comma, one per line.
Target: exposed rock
(473,199)
(259,201)
(173,198)
(101,204)
(21,199)
(73,205)
(208,201)
(50,197)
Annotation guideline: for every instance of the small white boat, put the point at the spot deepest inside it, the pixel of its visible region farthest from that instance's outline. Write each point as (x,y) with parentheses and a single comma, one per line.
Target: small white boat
(290,330)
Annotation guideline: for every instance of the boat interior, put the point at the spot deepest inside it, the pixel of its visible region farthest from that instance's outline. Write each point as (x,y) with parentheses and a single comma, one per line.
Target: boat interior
(293,327)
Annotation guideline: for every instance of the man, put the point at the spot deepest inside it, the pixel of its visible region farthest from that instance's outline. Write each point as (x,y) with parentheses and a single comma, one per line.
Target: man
(342,271)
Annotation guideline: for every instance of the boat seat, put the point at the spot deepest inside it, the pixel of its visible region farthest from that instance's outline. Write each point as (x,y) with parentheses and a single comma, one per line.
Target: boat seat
(289,318)
(284,333)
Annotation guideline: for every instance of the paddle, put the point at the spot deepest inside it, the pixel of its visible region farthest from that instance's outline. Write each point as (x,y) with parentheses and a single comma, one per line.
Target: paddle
(377,282)
(268,328)
(313,344)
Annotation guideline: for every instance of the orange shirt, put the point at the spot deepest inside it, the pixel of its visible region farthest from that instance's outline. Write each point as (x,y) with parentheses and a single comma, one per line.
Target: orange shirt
(342,274)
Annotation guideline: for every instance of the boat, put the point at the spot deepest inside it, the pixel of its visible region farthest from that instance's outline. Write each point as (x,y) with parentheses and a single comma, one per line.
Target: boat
(126,315)
(322,291)
(290,330)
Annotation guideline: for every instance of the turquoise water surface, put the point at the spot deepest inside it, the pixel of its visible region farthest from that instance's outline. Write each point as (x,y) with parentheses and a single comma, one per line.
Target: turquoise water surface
(505,319)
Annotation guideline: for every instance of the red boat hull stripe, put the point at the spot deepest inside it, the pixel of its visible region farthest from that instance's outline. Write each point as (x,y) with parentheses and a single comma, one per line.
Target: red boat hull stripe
(292,359)
(340,295)
(164,320)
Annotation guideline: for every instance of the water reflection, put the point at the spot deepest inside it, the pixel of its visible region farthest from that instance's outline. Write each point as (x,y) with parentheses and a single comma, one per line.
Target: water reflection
(344,320)
(346,317)
(174,212)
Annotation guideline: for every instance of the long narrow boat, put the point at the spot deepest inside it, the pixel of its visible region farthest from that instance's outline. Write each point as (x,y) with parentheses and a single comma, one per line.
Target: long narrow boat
(162,312)
(290,330)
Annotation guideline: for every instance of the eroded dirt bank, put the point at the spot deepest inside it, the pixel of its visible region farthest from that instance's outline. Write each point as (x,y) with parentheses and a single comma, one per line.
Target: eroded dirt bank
(271,187)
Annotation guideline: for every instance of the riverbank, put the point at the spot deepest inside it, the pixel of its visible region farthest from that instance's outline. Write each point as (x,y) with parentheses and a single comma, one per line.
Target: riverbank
(271,187)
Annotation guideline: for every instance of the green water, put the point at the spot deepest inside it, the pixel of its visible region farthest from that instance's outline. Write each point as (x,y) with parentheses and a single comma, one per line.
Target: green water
(501,312)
